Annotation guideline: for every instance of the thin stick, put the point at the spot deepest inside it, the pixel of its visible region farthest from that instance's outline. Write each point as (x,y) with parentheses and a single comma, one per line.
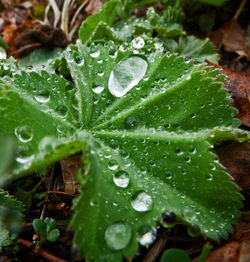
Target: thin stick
(41,252)
(239,10)
(25,48)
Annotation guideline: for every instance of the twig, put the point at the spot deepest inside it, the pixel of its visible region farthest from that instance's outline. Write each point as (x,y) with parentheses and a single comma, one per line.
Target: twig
(58,192)
(41,252)
(78,11)
(65,17)
(25,48)
(156,250)
(239,10)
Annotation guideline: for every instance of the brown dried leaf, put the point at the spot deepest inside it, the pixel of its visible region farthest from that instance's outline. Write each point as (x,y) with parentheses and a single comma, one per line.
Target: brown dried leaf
(236,158)
(232,37)
(228,253)
(70,166)
(239,85)
(93,6)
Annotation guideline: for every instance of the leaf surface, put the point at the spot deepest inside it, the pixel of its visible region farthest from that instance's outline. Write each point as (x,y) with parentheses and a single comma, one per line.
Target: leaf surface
(149,123)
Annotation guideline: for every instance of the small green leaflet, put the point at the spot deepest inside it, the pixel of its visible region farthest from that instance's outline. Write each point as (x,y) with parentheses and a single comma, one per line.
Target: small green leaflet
(145,123)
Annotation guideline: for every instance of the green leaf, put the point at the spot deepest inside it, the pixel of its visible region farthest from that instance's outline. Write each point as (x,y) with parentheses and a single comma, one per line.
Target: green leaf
(46,122)
(53,235)
(50,224)
(175,254)
(40,59)
(7,154)
(190,46)
(107,14)
(39,227)
(149,121)
(145,123)
(10,215)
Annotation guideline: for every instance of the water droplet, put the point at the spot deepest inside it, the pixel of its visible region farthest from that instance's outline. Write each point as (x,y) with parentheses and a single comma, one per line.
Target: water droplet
(142,202)
(24,133)
(121,179)
(118,235)
(98,89)
(168,175)
(101,74)
(209,177)
(114,144)
(131,121)
(178,151)
(193,230)
(138,42)
(124,154)
(112,165)
(24,160)
(147,238)
(62,110)
(95,54)
(126,75)
(42,96)
(169,218)
(192,114)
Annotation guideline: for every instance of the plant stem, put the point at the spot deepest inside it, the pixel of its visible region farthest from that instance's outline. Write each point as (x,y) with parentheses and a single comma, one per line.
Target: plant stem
(42,252)
(239,10)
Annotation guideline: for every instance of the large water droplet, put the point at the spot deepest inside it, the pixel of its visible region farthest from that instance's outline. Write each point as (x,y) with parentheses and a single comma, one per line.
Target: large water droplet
(138,42)
(42,96)
(24,133)
(98,89)
(121,179)
(142,202)
(126,75)
(118,235)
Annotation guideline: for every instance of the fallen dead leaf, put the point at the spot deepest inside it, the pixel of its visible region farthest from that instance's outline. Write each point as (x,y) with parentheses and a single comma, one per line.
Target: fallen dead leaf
(70,166)
(239,85)
(242,232)
(93,6)
(232,37)
(228,253)
(236,158)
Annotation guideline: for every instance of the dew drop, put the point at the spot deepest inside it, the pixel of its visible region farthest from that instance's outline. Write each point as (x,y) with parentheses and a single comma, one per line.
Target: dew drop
(121,179)
(24,160)
(131,121)
(126,75)
(209,177)
(98,89)
(118,236)
(61,110)
(95,54)
(138,42)
(24,133)
(42,96)
(178,150)
(142,202)
(112,165)
(147,238)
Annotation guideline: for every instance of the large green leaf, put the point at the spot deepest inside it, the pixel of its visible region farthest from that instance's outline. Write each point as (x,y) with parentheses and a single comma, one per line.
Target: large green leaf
(145,123)
(150,121)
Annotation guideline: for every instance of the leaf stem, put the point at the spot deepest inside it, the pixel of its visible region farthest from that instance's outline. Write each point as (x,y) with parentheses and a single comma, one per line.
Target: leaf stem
(239,10)
(41,252)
